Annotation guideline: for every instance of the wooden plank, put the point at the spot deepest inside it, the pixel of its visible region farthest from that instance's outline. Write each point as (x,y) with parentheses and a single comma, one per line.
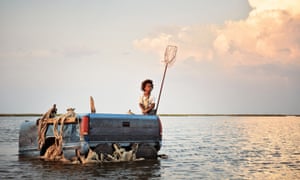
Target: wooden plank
(70,120)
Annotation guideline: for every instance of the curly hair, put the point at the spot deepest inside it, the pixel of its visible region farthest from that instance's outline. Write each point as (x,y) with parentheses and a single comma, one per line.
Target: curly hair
(147,81)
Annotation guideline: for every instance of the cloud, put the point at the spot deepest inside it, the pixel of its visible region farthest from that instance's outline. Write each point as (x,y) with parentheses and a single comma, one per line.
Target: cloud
(192,44)
(292,6)
(26,54)
(269,35)
(79,51)
(46,53)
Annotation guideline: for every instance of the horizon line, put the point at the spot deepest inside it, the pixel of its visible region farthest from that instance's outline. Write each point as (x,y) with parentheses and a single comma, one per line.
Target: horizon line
(171,114)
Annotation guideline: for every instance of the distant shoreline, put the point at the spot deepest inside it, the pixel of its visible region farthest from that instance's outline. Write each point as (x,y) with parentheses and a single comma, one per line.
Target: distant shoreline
(238,115)
(171,115)
(20,115)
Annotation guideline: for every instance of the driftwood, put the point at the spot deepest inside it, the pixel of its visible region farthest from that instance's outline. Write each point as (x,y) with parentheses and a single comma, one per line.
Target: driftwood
(54,152)
(69,120)
(42,125)
(119,155)
(92,105)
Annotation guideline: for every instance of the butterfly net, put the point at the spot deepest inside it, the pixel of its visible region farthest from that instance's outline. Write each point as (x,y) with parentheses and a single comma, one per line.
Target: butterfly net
(170,54)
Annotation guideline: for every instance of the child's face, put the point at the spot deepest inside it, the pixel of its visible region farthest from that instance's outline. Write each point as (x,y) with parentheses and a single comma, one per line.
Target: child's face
(148,87)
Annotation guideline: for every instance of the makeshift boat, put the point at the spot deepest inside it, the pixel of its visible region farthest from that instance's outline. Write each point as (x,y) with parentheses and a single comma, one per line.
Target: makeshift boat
(73,133)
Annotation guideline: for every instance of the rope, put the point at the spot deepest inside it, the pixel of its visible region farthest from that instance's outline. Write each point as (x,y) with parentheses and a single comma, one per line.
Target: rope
(54,152)
(42,128)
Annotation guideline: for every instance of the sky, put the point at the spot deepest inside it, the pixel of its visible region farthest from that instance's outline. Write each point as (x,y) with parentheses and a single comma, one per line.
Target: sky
(234,56)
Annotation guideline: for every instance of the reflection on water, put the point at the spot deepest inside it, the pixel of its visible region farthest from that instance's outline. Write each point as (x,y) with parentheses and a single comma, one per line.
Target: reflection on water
(234,147)
(58,170)
(198,147)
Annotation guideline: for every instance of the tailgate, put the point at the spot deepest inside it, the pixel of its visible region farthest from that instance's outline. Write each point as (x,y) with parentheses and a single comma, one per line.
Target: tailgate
(123,128)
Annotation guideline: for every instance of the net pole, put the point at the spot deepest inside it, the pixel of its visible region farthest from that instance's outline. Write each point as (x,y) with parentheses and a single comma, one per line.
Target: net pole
(161,87)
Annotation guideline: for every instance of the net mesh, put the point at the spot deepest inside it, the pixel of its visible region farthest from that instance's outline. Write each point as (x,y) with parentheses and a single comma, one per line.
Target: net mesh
(170,54)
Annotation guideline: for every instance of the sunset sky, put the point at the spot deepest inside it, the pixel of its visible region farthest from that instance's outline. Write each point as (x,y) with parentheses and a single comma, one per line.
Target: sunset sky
(234,56)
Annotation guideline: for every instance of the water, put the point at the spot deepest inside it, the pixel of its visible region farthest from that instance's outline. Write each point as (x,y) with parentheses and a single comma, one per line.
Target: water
(198,148)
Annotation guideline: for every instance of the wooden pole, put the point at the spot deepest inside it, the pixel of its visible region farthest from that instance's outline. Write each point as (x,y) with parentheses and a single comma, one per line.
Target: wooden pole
(161,87)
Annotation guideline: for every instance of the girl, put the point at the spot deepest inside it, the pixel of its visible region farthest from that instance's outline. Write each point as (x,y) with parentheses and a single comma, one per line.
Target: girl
(147,102)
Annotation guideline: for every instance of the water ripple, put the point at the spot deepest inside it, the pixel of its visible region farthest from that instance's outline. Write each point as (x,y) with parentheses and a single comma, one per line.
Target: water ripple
(198,148)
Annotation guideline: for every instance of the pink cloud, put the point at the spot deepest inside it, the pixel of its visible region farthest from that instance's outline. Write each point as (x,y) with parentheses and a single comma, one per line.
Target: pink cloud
(292,6)
(194,41)
(269,35)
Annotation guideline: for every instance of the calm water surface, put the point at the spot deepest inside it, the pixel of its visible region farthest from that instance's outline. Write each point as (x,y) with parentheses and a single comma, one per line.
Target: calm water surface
(198,148)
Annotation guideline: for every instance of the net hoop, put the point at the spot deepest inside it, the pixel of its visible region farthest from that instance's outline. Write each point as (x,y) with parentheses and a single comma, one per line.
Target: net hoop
(170,54)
